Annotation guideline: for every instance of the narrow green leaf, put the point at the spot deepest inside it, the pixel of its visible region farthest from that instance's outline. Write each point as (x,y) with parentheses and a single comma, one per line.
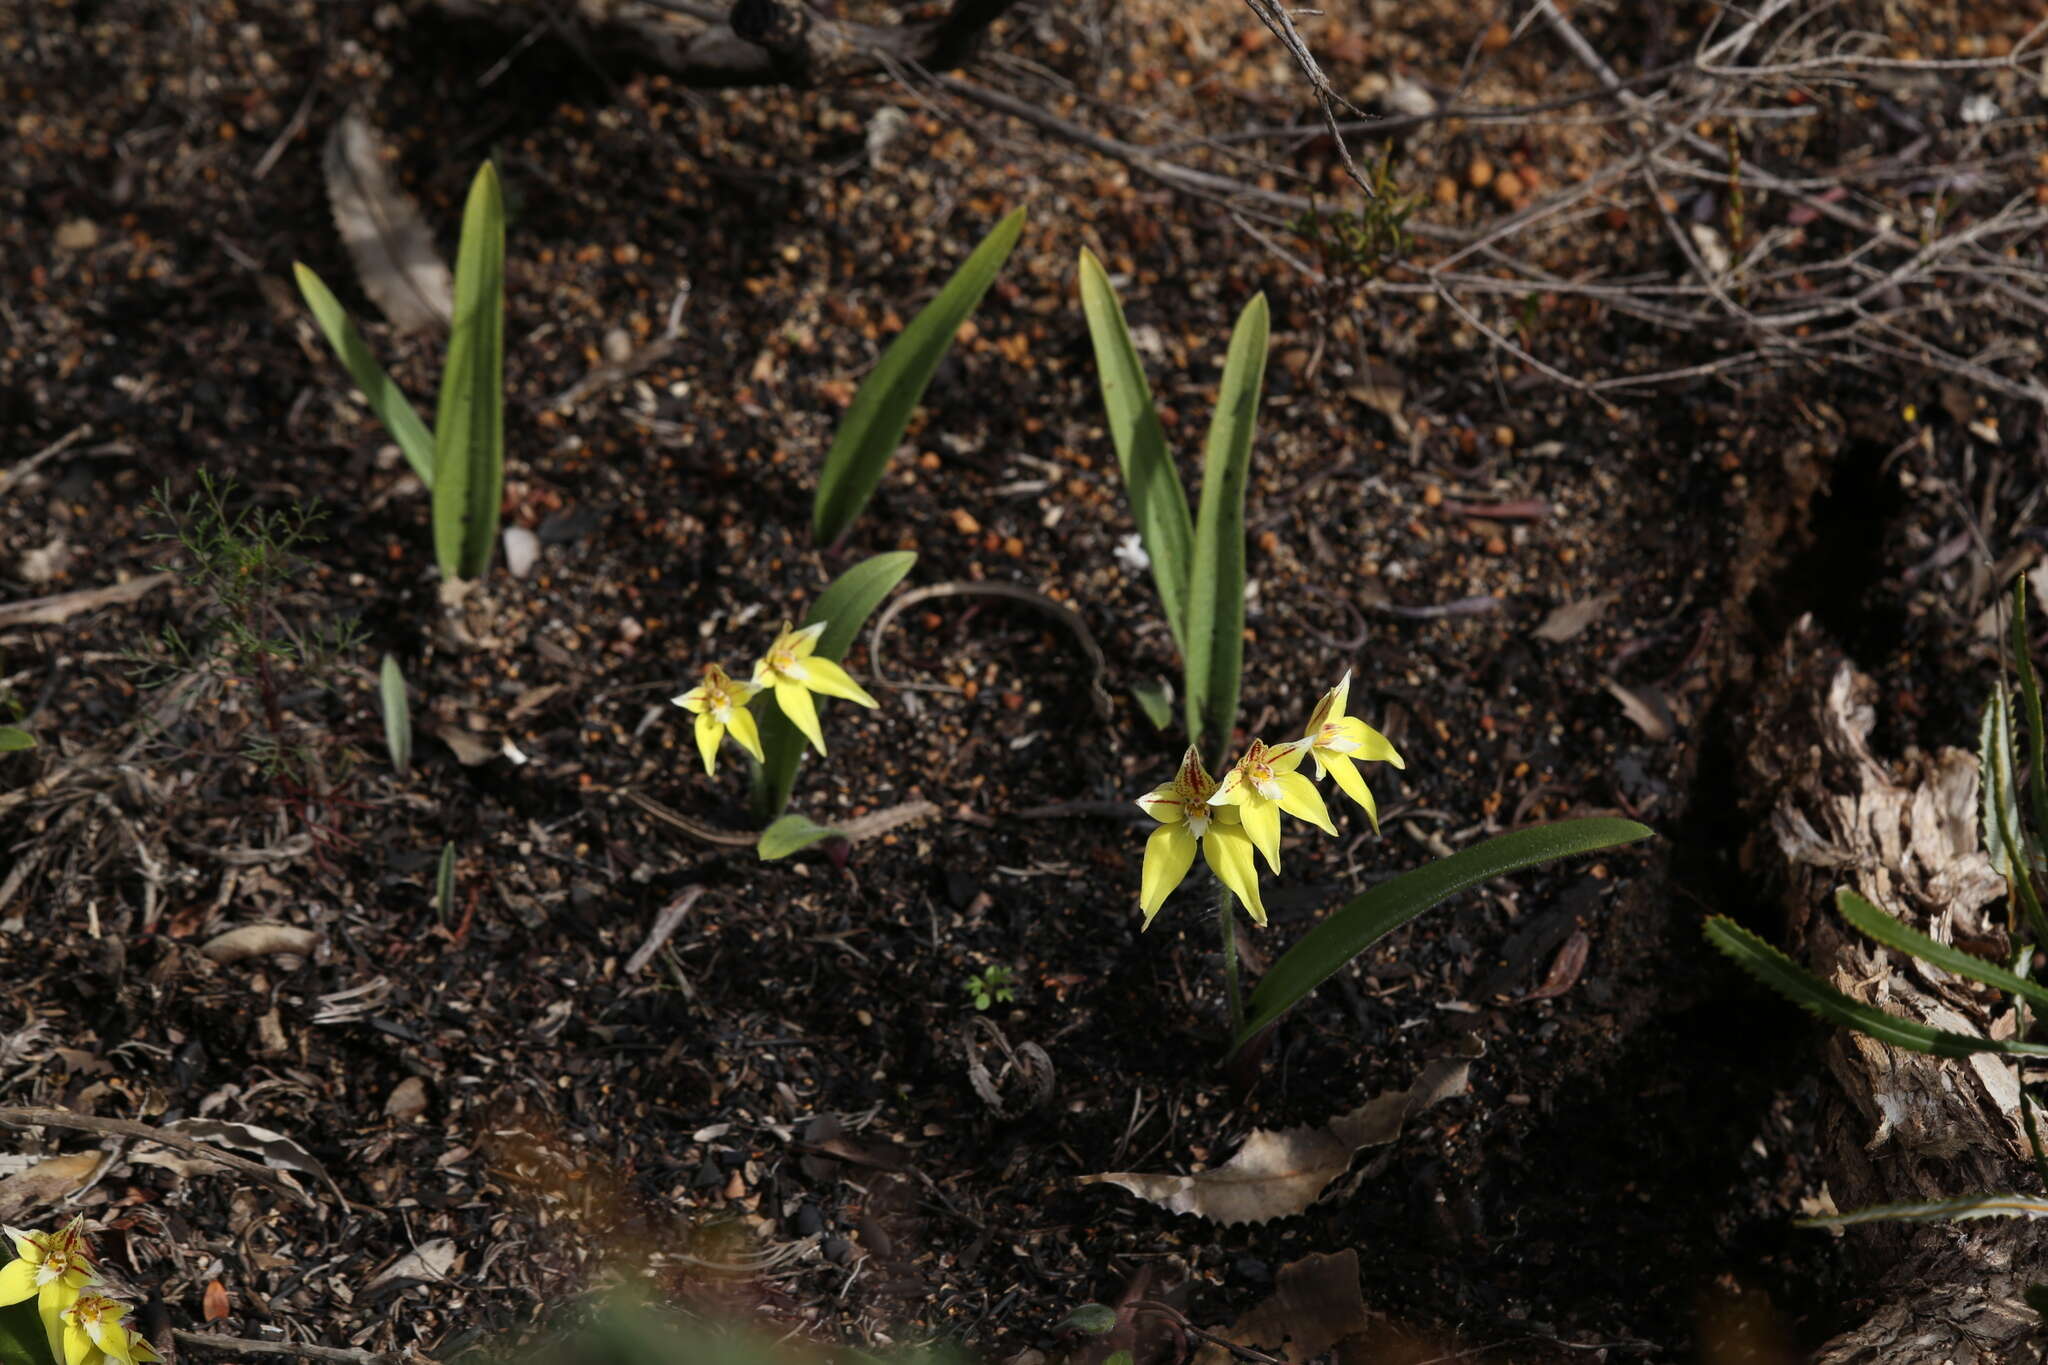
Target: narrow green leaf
(1809,992)
(2005,841)
(1215,641)
(24,1340)
(469,423)
(2030,712)
(844,606)
(1892,933)
(397,713)
(1366,919)
(444,884)
(1155,699)
(1937,1211)
(873,426)
(379,390)
(1158,503)
(791,834)
(13,740)
(1090,1319)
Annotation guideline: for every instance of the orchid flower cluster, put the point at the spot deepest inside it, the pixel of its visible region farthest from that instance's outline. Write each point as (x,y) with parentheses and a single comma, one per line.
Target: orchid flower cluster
(792,671)
(56,1270)
(1238,817)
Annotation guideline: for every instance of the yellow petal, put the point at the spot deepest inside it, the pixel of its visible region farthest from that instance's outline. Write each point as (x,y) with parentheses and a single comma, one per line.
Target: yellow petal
(1299,798)
(1353,786)
(139,1350)
(1285,758)
(1229,855)
(796,704)
(802,642)
(78,1347)
(696,700)
(745,732)
(1262,826)
(822,675)
(1232,790)
(1163,803)
(1371,745)
(709,732)
(17,1282)
(1169,852)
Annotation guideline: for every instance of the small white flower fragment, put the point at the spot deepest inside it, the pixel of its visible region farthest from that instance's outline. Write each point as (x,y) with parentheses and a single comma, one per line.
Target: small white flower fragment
(1978,108)
(1130,552)
(522,550)
(513,752)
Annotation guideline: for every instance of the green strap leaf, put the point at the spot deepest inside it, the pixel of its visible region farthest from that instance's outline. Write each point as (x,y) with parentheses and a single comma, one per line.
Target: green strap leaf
(2030,708)
(1779,972)
(1366,919)
(1893,933)
(379,390)
(14,740)
(397,713)
(1938,1210)
(1159,505)
(469,423)
(1215,639)
(444,885)
(844,606)
(791,834)
(2005,840)
(874,424)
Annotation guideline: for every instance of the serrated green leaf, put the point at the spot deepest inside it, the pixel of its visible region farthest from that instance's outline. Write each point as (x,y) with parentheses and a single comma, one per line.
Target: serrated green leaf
(1892,933)
(469,422)
(397,713)
(1159,505)
(1779,972)
(1366,919)
(13,740)
(1215,641)
(844,606)
(1938,1211)
(873,426)
(379,390)
(791,834)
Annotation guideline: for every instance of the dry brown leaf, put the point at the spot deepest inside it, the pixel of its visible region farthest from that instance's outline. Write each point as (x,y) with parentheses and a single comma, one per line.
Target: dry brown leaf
(1573,617)
(430,1262)
(469,751)
(44,1184)
(1646,707)
(1278,1174)
(51,611)
(1316,1303)
(277,1151)
(214,1303)
(1383,388)
(1564,968)
(382,228)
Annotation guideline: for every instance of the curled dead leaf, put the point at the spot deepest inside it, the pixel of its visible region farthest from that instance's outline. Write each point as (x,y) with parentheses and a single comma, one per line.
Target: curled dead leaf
(1316,1303)
(260,940)
(1278,1174)
(44,1183)
(387,239)
(1646,707)
(1573,617)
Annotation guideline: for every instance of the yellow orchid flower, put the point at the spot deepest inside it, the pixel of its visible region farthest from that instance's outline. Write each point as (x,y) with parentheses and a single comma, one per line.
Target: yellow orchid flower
(94,1334)
(1339,743)
(1262,785)
(720,704)
(1185,819)
(794,672)
(50,1267)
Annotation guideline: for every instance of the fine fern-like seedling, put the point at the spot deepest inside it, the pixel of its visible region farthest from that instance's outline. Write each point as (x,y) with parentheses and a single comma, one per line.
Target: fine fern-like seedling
(2013,837)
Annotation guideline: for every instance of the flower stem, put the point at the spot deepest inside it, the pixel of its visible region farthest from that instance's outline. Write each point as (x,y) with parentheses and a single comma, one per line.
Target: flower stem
(1227,918)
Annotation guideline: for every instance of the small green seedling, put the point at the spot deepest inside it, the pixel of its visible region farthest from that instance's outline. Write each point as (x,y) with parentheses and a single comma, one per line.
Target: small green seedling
(995,985)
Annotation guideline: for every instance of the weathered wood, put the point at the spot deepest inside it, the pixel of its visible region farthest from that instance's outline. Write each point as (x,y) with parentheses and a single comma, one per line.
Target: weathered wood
(1903,1127)
(754,42)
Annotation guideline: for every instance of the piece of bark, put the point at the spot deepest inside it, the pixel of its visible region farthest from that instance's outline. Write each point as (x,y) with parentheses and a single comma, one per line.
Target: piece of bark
(754,42)
(1903,1127)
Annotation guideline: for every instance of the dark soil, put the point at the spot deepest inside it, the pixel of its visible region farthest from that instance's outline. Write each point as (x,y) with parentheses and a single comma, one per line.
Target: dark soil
(1624,1168)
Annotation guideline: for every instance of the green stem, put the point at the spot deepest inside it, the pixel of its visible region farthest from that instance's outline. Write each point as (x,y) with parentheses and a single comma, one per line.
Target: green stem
(1227,918)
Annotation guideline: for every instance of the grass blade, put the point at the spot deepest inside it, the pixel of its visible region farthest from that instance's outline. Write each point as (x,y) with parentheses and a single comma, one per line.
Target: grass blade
(2005,841)
(873,426)
(397,713)
(1215,639)
(379,391)
(1809,992)
(1159,505)
(1938,1210)
(444,885)
(2030,708)
(469,423)
(791,834)
(1366,919)
(845,607)
(1895,934)
(13,740)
